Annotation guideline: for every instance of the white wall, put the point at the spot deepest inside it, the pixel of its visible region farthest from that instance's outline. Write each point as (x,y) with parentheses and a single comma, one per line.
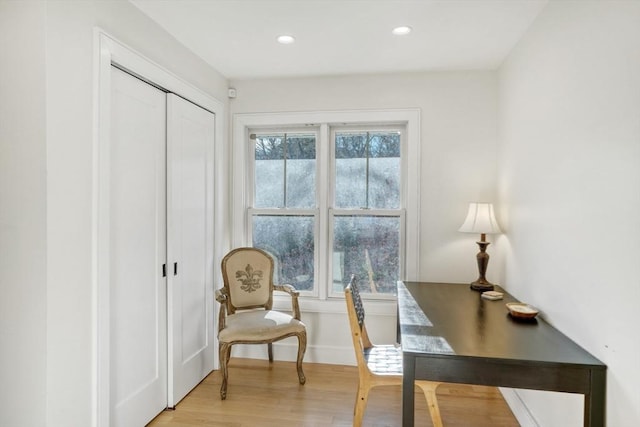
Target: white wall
(570,190)
(569,120)
(459,142)
(23,290)
(46,168)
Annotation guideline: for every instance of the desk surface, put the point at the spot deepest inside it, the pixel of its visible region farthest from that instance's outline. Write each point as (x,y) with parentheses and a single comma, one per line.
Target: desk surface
(450,334)
(451,319)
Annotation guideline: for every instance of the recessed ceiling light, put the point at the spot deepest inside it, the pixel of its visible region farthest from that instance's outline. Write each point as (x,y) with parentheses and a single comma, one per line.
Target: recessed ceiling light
(401,31)
(286,39)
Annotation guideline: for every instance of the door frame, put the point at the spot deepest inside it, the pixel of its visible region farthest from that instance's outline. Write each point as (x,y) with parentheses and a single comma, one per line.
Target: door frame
(108,52)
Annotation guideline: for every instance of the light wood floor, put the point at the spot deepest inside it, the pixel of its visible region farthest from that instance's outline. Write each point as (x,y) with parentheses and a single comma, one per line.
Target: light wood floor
(264,395)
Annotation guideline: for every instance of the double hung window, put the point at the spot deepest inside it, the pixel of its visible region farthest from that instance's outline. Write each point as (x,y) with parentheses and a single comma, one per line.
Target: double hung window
(327,201)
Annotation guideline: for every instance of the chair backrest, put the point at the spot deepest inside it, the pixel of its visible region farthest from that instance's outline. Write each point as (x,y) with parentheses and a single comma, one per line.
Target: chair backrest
(357,301)
(248,279)
(355,310)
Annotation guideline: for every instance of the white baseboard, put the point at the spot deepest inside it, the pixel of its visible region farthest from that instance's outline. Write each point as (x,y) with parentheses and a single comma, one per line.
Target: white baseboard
(519,409)
(288,352)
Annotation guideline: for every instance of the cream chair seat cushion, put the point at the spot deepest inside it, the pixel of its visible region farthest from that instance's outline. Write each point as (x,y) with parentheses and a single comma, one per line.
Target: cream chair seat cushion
(259,325)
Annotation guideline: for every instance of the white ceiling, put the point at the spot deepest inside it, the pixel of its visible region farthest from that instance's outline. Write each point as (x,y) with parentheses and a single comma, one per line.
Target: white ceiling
(334,37)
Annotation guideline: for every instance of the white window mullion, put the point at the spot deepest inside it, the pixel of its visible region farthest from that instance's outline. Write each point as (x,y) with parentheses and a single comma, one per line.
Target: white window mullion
(323,250)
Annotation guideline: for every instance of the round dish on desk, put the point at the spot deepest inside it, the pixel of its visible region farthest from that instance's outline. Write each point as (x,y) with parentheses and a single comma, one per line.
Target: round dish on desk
(521,310)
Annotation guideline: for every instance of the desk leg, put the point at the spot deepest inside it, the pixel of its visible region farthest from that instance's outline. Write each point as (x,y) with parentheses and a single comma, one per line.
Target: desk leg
(408,385)
(594,402)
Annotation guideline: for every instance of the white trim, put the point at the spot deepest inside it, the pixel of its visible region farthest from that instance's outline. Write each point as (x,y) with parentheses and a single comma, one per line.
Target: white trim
(281,212)
(138,64)
(286,350)
(323,154)
(410,118)
(517,406)
(99,236)
(109,51)
(336,305)
(411,192)
(367,212)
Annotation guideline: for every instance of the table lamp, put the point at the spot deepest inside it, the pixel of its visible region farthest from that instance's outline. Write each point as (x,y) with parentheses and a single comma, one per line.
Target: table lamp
(480,219)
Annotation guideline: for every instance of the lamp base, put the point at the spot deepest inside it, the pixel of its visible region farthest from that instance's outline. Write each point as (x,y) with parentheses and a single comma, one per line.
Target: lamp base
(482,285)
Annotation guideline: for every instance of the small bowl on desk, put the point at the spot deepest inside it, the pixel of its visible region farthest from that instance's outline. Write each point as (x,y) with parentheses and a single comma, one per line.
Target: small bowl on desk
(520,310)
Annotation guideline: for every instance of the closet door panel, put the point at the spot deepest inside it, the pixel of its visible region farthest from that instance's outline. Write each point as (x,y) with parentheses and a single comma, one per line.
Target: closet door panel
(137,227)
(190,168)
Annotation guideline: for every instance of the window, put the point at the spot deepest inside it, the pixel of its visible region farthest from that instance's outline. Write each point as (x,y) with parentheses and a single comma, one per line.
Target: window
(328,200)
(366,216)
(284,215)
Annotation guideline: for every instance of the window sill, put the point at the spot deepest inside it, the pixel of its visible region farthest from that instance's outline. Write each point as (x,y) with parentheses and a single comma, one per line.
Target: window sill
(334,305)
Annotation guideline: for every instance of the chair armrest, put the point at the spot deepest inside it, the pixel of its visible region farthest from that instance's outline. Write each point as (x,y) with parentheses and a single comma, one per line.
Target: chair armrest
(221,297)
(294,298)
(287,288)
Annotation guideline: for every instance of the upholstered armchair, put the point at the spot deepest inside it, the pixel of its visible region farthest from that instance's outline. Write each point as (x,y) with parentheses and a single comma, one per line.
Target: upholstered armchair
(246,315)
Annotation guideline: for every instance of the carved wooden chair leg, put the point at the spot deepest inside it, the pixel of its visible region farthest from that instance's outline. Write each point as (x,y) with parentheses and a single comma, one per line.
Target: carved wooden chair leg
(429,389)
(302,347)
(224,353)
(270,351)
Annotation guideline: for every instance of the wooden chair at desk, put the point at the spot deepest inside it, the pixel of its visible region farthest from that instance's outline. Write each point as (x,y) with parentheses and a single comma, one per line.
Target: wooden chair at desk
(378,365)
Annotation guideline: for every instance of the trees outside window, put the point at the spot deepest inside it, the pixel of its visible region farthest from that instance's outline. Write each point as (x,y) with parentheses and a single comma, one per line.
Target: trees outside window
(360,207)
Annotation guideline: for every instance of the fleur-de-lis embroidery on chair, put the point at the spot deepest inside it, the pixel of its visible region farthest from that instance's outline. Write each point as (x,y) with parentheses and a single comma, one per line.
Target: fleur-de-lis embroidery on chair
(250,278)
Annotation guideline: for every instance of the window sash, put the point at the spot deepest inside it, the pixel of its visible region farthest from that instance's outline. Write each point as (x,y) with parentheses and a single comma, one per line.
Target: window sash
(392,213)
(284,167)
(251,149)
(315,214)
(364,129)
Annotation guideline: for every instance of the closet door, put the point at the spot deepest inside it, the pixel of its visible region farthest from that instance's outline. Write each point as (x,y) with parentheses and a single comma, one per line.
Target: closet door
(137,233)
(190,209)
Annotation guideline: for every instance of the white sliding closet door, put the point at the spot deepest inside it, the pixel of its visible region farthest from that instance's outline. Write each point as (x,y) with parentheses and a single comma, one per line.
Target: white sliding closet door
(190,200)
(137,251)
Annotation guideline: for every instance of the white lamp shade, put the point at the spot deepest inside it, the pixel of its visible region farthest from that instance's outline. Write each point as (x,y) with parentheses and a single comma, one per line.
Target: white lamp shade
(480,220)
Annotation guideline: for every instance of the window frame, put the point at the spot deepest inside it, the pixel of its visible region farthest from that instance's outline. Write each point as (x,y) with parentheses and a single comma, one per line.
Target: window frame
(324,122)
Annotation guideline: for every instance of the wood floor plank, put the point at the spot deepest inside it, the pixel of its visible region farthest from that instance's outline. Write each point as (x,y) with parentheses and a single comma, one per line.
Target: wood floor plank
(260,394)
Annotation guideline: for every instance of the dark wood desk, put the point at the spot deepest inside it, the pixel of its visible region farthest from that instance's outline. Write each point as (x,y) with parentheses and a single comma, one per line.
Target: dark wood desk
(450,334)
